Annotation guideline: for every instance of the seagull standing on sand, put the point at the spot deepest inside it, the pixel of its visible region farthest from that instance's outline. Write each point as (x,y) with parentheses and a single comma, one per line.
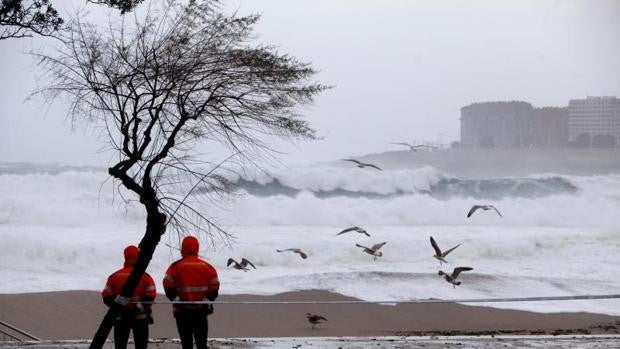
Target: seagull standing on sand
(240,266)
(315,319)
(374,250)
(295,250)
(441,255)
(363,164)
(455,273)
(482,207)
(355,228)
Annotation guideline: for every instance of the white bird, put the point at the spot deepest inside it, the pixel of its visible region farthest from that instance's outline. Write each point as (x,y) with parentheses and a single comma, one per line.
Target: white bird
(315,319)
(441,255)
(295,250)
(413,147)
(241,266)
(363,164)
(374,250)
(355,228)
(455,273)
(482,207)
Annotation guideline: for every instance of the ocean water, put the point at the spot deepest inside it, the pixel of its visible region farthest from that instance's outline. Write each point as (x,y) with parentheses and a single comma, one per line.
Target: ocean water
(64,228)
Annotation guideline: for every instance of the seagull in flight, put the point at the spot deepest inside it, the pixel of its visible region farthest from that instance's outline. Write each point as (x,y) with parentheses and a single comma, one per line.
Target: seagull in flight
(301,253)
(413,147)
(455,273)
(240,266)
(441,255)
(374,250)
(482,207)
(315,319)
(355,228)
(363,164)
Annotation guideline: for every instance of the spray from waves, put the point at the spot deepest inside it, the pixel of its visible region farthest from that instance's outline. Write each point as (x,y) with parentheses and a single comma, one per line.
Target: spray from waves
(336,196)
(333,196)
(306,209)
(21,168)
(57,195)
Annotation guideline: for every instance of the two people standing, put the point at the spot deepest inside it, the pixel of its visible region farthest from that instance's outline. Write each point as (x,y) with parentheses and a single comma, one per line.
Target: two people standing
(189,279)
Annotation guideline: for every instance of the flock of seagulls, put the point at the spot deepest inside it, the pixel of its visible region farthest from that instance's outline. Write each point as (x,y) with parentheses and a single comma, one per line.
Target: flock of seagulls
(374,250)
(439,254)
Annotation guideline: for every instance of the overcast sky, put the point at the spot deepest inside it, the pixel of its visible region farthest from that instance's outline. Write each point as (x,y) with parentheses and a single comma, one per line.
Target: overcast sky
(401,70)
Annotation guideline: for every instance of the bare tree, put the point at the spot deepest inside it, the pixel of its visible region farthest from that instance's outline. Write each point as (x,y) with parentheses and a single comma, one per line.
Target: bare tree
(183,75)
(22,18)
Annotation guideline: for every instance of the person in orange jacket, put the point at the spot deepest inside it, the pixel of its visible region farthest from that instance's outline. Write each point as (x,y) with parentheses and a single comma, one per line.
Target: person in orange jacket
(136,316)
(191,279)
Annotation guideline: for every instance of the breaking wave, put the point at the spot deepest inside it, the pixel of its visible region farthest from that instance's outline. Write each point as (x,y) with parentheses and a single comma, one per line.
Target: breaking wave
(443,188)
(324,195)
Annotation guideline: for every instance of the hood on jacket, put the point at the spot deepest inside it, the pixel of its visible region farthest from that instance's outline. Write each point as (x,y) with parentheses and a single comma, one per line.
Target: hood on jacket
(189,246)
(131,255)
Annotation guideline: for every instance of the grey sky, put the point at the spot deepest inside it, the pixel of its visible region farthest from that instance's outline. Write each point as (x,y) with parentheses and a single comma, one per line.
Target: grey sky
(401,69)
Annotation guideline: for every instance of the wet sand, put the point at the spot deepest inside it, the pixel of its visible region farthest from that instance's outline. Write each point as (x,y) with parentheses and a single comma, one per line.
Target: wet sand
(76,315)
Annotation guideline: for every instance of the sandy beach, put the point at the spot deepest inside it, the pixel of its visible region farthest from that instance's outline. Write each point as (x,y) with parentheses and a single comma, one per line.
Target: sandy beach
(76,315)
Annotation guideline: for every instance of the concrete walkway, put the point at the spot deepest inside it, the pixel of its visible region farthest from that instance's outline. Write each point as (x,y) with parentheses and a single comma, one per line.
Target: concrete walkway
(484,342)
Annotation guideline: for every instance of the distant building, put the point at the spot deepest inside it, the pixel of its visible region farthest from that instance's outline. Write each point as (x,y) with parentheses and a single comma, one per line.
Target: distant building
(550,127)
(513,125)
(494,124)
(590,122)
(594,122)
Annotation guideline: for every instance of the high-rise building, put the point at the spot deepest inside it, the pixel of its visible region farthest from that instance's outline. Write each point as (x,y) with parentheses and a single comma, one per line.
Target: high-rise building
(594,121)
(513,125)
(494,124)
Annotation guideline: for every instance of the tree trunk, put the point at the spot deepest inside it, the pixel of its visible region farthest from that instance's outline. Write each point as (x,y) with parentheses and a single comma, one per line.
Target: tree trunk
(155,228)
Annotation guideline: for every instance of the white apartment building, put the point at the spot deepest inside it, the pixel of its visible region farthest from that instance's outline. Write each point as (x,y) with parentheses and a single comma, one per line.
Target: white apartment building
(594,116)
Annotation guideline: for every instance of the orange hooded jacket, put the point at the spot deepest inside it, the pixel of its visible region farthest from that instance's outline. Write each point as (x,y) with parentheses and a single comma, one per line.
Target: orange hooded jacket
(191,278)
(144,292)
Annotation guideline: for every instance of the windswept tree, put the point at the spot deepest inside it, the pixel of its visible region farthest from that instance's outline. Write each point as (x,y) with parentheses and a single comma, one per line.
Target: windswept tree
(23,18)
(184,75)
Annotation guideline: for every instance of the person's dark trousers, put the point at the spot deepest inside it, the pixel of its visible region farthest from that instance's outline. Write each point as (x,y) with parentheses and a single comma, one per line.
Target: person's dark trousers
(192,325)
(140,330)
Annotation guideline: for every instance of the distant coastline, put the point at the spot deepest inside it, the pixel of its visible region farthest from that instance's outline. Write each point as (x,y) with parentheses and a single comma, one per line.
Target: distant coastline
(501,162)
(460,162)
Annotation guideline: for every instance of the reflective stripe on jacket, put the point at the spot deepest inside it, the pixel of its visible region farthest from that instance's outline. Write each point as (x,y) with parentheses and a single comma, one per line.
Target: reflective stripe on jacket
(145,291)
(192,278)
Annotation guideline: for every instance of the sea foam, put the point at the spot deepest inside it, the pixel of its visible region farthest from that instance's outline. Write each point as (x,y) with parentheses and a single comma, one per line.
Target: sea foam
(66,229)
